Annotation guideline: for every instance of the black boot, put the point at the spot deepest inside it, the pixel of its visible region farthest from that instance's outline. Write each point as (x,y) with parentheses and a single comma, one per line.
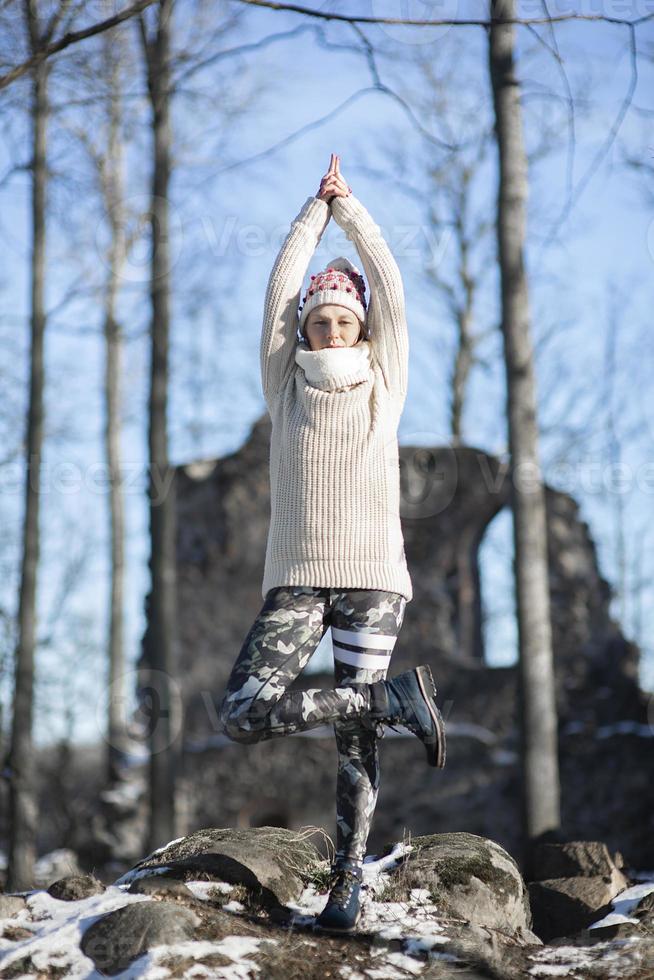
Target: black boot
(410,700)
(342,911)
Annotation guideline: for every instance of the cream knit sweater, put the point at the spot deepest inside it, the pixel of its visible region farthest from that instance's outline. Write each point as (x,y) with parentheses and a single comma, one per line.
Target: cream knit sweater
(334,462)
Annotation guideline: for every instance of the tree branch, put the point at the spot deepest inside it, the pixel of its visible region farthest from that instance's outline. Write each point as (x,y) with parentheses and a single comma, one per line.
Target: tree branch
(442,21)
(604,148)
(72,38)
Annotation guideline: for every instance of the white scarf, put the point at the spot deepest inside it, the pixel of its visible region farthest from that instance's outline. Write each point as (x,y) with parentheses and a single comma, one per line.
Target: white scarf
(331,368)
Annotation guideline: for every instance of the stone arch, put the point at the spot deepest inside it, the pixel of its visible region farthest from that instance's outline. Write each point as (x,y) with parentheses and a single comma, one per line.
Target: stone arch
(499,624)
(449,496)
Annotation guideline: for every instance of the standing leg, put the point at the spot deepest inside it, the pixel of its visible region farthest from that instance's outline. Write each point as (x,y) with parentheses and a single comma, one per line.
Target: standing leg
(257,705)
(365,626)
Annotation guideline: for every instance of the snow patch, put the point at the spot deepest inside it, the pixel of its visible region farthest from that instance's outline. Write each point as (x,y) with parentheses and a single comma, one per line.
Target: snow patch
(58,929)
(59,926)
(201,889)
(373,866)
(165,847)
(135,874)
(233,906)
(550,970)
(414,923)
(623,904)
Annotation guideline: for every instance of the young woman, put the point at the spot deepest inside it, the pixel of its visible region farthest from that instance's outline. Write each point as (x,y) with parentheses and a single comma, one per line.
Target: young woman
(335,381)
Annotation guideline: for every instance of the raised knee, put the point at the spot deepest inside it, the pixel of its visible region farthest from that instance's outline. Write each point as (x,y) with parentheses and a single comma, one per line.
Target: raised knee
(238,723)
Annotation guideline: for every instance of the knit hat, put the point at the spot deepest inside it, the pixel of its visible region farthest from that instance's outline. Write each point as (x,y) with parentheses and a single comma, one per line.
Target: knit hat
(340,283)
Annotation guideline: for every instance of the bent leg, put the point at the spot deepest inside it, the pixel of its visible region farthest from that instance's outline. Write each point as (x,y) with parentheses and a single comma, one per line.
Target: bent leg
(279,644)
(257,705)
(365,626)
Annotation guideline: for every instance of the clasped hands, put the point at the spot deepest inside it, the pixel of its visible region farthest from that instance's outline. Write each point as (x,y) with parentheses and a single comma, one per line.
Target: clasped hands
(333,184)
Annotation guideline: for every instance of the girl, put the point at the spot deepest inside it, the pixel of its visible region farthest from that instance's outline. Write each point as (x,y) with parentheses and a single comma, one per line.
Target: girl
(334,381)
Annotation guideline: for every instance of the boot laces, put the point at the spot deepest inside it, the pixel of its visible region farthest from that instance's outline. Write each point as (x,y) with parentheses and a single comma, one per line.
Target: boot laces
(342,884)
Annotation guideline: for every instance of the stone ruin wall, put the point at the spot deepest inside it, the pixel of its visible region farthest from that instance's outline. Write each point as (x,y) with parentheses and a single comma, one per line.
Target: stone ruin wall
(449,497)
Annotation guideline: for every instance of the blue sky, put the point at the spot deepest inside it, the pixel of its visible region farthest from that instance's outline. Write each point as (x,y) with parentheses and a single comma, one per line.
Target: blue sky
(230,218)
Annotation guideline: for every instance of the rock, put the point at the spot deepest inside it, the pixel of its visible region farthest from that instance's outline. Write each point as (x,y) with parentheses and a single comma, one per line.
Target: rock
(470,877)
(160,885)
(575,883)
(15,933)
(562,906)
(11,905)
(116,939)
(478,927)
(270,861)
(572,859)
(72,888)
(645,909)
(619,930)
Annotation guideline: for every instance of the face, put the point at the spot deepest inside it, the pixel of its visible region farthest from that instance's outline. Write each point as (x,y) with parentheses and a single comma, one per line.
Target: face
(331,325)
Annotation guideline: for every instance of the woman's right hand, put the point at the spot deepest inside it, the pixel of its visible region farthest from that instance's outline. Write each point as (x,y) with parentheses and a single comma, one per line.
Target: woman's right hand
(333,184)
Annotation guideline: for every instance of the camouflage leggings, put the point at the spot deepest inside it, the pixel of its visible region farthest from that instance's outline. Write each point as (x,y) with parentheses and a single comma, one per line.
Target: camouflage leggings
(257,705)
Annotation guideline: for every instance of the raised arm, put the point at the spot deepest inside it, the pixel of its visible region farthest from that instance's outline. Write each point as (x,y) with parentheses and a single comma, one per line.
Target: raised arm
(389,335)
(280,316)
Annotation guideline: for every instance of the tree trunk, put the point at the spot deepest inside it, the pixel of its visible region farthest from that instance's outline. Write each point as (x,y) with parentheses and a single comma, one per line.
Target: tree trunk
(22,795)
(540,781)
(468,599)
(113,195)
(164,706)
(465,353)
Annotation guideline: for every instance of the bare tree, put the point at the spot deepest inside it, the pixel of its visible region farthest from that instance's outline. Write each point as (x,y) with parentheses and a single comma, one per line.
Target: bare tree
(102,67)
(47,45)
(541,809)
(112,188)
(162,619)
(22,803)
(103,146)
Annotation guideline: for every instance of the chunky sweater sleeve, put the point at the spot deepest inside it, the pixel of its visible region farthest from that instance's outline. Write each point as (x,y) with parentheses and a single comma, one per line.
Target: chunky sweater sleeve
(280,317)
(389,335)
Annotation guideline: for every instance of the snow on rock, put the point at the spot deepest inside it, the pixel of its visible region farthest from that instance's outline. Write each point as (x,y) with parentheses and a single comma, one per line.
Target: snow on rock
(163,847)
(233,906)
(308,906)
(623,904)
(203,889)
(405,936)
(58,928)
(414,923)
(118,939)
(373,867)
(620,959)
(156,964)
(135,874)
(270,859)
